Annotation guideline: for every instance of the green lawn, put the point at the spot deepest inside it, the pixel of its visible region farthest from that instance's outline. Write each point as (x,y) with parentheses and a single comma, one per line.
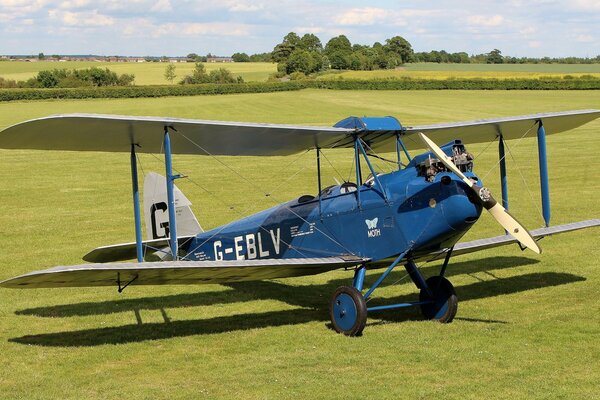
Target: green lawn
(149,73)
(527,325)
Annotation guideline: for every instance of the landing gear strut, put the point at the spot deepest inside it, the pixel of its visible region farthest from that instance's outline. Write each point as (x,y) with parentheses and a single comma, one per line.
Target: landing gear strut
(437,298)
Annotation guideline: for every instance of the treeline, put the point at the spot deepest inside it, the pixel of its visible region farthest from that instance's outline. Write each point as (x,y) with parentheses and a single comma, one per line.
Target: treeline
(63,78)
(307,54)
(377,56)
(495,57)
(586,82)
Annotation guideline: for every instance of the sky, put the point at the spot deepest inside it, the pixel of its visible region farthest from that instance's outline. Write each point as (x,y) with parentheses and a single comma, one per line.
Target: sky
(536,28)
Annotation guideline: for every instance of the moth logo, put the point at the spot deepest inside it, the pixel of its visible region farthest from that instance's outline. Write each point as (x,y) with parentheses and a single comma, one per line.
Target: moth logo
(373,231)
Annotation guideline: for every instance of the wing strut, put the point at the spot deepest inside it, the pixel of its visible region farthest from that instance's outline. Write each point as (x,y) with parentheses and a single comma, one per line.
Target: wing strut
(544,185)
(170,196)
(136,205)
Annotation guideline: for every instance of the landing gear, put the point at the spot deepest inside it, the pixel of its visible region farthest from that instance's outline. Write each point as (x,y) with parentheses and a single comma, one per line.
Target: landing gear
(348,311)
(437,299)
(441,299)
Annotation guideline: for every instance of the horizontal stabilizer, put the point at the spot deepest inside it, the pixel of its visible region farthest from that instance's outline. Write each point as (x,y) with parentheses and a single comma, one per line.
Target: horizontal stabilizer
(177,272)
(497,241)
(128,251)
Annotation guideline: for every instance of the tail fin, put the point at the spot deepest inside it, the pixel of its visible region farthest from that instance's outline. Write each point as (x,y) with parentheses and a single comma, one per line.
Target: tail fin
(156,212)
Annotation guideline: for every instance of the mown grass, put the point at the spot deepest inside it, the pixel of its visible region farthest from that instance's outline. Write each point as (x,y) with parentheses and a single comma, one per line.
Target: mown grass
(527,325)
(148,73)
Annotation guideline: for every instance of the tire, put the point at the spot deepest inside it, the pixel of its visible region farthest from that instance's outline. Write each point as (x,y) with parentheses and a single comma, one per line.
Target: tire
(445,302)
(348,311)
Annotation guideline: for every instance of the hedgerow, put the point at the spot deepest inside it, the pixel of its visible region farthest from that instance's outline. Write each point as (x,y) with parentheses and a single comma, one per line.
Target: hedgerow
(582,83)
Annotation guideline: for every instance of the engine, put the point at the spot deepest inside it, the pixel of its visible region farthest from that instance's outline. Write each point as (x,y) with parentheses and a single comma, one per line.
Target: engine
(430,166)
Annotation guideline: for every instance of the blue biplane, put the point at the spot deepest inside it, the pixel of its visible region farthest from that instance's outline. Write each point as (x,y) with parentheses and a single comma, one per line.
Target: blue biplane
(418,211)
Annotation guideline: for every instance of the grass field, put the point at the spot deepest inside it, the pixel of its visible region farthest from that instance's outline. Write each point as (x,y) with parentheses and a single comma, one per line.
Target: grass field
(498,71)
(527,325)
(145,73)
(153,73)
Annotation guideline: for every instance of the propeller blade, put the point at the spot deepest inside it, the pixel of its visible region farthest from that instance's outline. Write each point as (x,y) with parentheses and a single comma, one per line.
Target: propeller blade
(500,214)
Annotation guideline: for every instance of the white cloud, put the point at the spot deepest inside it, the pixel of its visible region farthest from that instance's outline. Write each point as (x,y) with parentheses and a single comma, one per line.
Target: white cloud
(244,6)
(534,44)
(529,30)
(585,38)
(162,6)
(85,19)
(485,20)
(361,16)
(73,4)
(590,5)
(145,27)
(308,29)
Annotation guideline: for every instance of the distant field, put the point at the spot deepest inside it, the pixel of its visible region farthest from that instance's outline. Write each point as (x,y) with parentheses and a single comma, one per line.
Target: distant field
(153,73)
(527,326)
(148,73)
(444,71)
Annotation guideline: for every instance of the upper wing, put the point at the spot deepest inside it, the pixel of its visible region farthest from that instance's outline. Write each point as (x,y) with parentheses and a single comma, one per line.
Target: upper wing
(177,272)
(115,133)
(487,130)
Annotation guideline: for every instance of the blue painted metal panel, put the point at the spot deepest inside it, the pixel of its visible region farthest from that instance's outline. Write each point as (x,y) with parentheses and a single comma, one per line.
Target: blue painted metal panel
(358,171)
(359,278)
(544,182)
(401,142)
(375,178)
(170,197)
(385,274)
(370,124)
(399,305)
(136,205)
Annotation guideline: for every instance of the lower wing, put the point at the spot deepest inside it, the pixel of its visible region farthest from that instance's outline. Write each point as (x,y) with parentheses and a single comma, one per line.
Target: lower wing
(177,272)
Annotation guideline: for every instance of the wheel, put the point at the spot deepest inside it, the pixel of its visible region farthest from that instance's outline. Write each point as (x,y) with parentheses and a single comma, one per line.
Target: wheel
(348,311)
(445,302)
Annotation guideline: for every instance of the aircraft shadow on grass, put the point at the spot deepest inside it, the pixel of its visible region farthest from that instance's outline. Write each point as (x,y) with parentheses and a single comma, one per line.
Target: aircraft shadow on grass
(311,298)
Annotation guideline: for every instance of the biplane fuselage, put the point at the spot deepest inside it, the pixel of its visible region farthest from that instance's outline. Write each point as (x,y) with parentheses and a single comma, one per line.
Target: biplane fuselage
(414,214)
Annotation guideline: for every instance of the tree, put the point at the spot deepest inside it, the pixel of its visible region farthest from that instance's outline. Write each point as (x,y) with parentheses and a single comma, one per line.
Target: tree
(41,56)
(494,57)
(282,52)
(292,38)
(299,61)
(240,57)
(399,47)
(170,72)
(198,75)
(223,75)
(338,44)
(339,59)
(338,50)
(310,42)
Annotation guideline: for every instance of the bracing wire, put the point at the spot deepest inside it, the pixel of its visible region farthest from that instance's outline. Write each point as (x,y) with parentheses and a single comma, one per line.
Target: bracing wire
(266,195)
